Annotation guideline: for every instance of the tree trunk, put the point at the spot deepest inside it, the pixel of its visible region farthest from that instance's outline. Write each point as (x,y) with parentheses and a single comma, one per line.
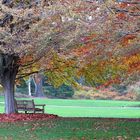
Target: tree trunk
(9,95)
(8,70)
(38,81)
(38,89)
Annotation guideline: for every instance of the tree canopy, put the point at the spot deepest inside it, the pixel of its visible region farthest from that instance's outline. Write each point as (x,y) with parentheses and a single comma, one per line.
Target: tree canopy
(69,39)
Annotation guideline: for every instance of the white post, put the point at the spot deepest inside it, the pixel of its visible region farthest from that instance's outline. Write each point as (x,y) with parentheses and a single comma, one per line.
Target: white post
(29,86)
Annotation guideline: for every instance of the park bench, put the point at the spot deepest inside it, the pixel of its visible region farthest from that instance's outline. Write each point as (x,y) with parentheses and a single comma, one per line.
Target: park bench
(29,106)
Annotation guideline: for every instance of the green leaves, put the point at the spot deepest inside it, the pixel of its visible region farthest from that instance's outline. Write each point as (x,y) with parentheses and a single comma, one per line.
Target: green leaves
(62,71)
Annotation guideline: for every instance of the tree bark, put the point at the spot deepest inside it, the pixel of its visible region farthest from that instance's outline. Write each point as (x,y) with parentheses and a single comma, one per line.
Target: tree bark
(9,95)
(38,81)
(8,71)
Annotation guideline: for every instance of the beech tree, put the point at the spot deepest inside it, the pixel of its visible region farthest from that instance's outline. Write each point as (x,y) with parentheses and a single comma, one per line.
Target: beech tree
(67,39)
(32,32)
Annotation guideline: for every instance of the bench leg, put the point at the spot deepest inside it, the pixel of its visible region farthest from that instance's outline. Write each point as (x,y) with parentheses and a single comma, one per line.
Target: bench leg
(43,110)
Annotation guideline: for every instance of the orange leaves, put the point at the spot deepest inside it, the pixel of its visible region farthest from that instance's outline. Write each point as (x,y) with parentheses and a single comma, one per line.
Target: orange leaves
(135,65)
(80,51)
(102,64)
(88,45)
(122,16)
(132,62)
(123,5)
(130,37)
(89,38)
(50,65)
(115,80)
(26,59)
(127,39)
(80,72)
(18,82)
(84,50)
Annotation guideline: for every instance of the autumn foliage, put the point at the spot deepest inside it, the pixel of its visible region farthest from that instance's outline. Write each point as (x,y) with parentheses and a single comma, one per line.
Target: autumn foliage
(85,33)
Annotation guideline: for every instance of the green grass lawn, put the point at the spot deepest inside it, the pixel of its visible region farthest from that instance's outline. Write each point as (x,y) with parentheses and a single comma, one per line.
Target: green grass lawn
(71,129)
(77,128)
(91,108)
(87,108)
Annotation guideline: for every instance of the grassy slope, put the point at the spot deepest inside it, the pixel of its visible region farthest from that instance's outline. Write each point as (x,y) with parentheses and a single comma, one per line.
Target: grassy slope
(87,108)
(71,129)
(90,108)
(87,103)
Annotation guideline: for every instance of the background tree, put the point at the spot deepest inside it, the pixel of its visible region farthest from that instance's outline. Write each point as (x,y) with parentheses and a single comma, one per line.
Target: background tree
(38,81)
